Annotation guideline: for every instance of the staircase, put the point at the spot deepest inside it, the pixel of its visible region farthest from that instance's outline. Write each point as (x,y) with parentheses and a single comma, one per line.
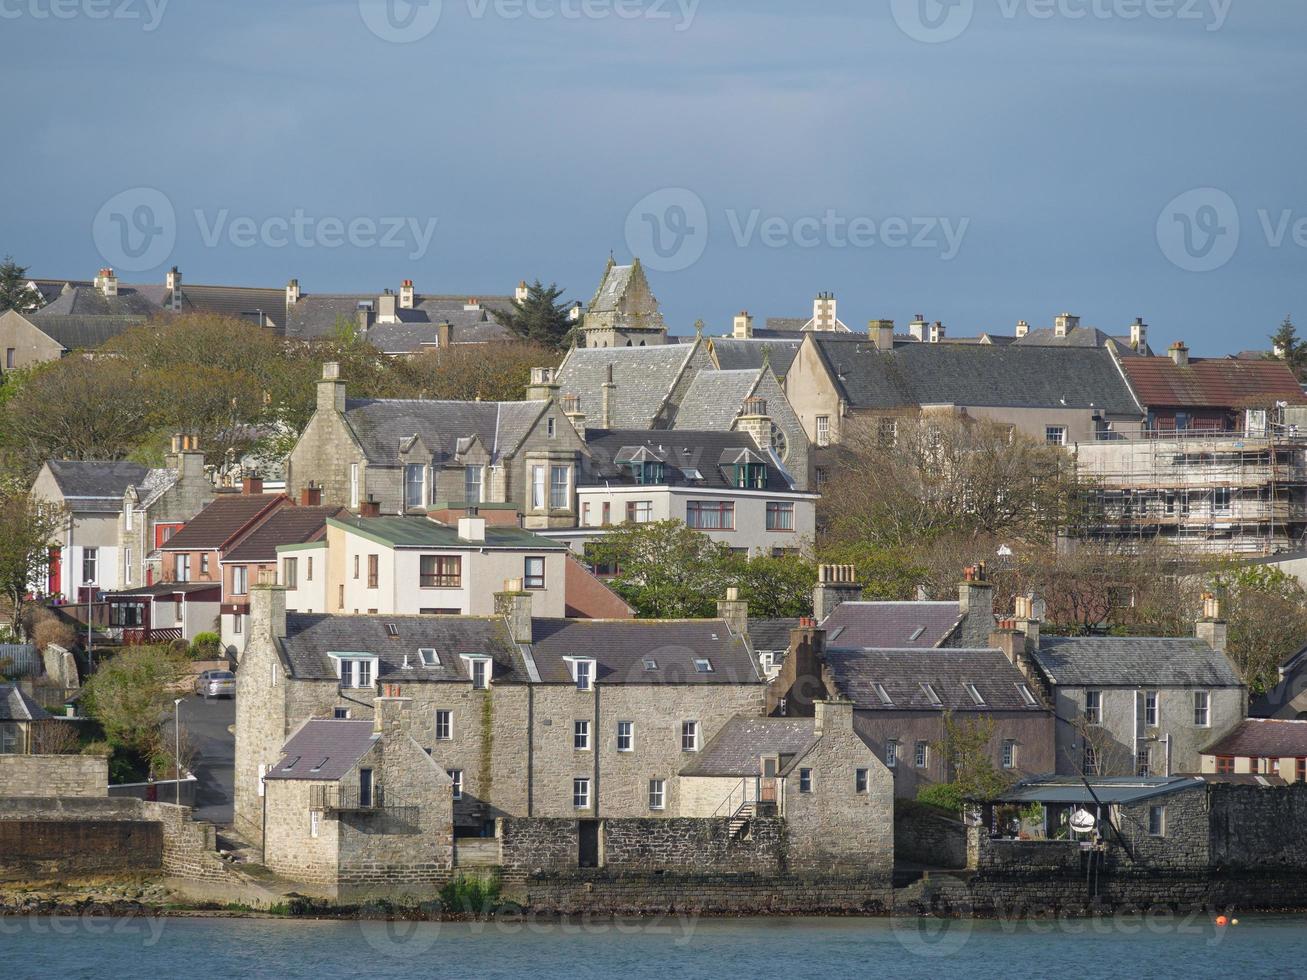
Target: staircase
(740,822)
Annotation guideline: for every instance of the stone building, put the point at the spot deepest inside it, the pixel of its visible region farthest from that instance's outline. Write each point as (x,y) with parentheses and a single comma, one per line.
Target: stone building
(413,456)
(623,312)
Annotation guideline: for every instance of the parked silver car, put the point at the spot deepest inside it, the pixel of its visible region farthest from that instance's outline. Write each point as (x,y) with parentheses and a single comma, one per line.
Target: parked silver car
(216,684)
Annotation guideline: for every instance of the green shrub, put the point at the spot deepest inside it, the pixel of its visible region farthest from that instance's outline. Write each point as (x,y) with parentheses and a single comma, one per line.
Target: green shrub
(470,896)
(943,796)
(206,646)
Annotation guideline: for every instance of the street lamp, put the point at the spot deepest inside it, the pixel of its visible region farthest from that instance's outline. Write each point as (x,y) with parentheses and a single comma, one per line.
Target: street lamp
(90,598)
(177,752)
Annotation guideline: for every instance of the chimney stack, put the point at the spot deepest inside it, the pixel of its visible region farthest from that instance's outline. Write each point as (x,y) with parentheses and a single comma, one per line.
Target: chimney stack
(472,529)
(267,613)
(1139,334)
(370,507)
(1179,354)
(976,604)
(609,400)
(1023,328)
(833,716)
(572,409)
(107,282)
(1064,323)
(801,682)
(1212,629)
(444,335)
(735,611)
(918,327)
(391,715)
(543,386)
(836,584)
(514,604)
(743,328)
(756,423)
(936,332)
(473,305)
(824,312)
(292,292)
(252,485)
(331,390)
(882,332)
(522,292)
(311,496)
(173,284)
(186,459)
(406,295)
(387,307)
(576,312)
(1028,614)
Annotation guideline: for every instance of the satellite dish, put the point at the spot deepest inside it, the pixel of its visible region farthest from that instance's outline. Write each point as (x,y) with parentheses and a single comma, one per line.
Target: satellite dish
(1082,821)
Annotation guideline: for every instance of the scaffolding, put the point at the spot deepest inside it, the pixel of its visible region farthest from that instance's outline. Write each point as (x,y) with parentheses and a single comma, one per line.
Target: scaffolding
(1229,492)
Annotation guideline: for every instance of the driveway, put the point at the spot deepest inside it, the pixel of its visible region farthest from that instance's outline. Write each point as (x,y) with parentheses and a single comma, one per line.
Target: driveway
(206,724)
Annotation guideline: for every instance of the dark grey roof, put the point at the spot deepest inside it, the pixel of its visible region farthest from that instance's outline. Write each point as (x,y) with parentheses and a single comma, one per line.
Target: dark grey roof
(644,379)
(381,425)
(903,672)
(82,332)
(239,302)
(1076,337)
(17,706)
(738,748)
(715,399)
(771,635)
(734,354)
(778,325)
(324,750)
(311,637)
(975,374)
(96,480)
(621,647)
(891,625)
(87,301)
(683,451)
(1134,661)
(316,315)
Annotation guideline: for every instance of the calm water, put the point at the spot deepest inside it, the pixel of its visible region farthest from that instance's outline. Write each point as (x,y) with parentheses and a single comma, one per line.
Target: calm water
(1156,948)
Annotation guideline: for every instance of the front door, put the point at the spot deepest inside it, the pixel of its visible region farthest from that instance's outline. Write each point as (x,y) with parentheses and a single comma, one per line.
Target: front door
(588,851)
(365,787)
(767,792)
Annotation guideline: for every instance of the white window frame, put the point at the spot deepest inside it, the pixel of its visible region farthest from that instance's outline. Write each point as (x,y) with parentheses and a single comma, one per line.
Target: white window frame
(1008,754)
(1152,708)
(240,580)
(1160,813)
(583,672)
(581,735)
(539,486)
(456,777)
(1093,711)
(891,753)
(1055,435)
(805,781)
(626,734)
(410,484)
(558,490)
(921,755)
(581,793)
(862,781)
(689,736)
(445,722)
(355,486)
(361,666)
(1202,709)
(822,430)
(657,794)
(315,817)
(479,672)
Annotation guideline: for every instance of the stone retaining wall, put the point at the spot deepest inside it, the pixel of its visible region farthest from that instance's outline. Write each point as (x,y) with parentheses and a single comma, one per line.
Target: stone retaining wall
(53,775)
(923,835)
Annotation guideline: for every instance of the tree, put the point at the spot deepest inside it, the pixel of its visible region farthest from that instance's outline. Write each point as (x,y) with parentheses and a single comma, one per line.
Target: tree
(14,291)
(473,372)
(130,696)
(540,318)
(665,569)
(968,752)
(1286,346)
(1266,613)
(776,587)
(28,526)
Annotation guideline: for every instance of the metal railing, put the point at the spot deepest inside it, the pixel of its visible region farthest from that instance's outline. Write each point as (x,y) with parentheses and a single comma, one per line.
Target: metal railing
(333,796)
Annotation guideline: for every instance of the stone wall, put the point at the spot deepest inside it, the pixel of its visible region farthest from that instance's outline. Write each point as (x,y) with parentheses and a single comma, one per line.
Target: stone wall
(1258,827)
(53,775)
(925,836)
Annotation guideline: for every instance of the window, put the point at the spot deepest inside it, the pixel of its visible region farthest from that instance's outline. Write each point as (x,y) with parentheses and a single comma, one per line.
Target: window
(238,624)
(537,488)
(823,430)
(581,736)
(415,485)
(581,794)
(90,565)
(290,574)
(805,780)
(240,580)
(340,596)
(1094,707)
(204,565)
(689,736)
(860,781)
(127,564)
(975,694)
(606,514)
(583,674)
(892,753)
(1157,821)
(183,568)
(373,571)
(1091,759)
(710,515)
(751,476)
(356,568)
(639,511)
(821,475)
(354,486)
(1300,771)
(355,673)
(780,516)
(1221,501)
(560,485)
(657,794)
(585,513)
(129,518)
(314,817)
(440,571)
(931,695)
(1026,695)
(1143,761)
(429,657)
(444,725)
(1202,709)
(1225,764)
(625,736)
(883,695)
(1009,756)
(887,431)
(649,474)
(921,755)
(702,666)
(551,427)
(340,714)
(457,776)
(10,353)
(480,674)
(1055,435)
(472,485)
(1150,709)
(308,570)
(533,576)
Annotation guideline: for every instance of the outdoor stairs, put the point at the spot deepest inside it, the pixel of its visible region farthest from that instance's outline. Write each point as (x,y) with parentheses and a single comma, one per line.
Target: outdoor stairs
(740,821)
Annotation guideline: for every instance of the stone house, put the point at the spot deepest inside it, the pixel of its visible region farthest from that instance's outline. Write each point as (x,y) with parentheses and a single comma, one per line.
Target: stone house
(19,718)
(1260,747)
(359,808)
(409,457)
(536,717)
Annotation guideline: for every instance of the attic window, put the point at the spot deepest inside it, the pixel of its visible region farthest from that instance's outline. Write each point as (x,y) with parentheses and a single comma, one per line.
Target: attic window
(975,694)
(691,473)
(392,629)
(291,765)
(650,664)
(883,695)
(931,696)
(1026,695)
(430,658)
(703,666)
(750,476)
(917,633)
(318,767)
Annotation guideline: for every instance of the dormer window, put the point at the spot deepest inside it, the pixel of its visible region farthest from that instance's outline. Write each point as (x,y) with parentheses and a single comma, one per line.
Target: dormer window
(392,630)
(479,669)
(649,474)
(583,672)
(356,671)
(751,476)
(430,658)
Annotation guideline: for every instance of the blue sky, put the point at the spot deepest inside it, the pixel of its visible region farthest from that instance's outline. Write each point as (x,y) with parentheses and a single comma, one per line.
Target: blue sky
(1093,156)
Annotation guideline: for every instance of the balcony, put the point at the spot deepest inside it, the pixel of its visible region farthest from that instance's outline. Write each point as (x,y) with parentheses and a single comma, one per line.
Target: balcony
(333,798)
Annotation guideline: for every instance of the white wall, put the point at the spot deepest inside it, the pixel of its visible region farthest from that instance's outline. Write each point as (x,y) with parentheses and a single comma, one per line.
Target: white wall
(308,596)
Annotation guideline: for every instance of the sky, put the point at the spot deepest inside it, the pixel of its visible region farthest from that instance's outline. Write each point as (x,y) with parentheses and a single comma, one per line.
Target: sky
(978,162)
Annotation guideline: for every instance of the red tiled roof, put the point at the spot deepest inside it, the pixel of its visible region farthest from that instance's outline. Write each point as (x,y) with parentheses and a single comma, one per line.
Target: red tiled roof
(286,525)
(228,515)
(1211,383)
(1263,738)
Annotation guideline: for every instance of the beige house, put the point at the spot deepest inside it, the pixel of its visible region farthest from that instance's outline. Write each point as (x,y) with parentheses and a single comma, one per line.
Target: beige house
(1263,747)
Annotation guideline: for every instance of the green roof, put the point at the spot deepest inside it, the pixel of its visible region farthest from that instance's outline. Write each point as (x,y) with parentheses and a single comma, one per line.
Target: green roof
(420,532)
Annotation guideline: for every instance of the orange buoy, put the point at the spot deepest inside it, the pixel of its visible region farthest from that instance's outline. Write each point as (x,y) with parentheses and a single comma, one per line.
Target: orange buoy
(1222,920)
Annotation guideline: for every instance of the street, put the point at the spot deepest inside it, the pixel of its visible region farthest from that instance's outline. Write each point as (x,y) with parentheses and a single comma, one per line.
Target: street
(207,724)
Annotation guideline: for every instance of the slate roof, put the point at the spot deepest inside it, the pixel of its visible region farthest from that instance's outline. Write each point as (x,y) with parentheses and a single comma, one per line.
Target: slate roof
(974,374)
(324,750)
(734,354)
(1076,337)
(17,706)
(1263,738)
(771,635)
(1133,661)
(239,302)
(737,749)
(286,525)
(644,376)
(1118,789)
(1212,382)
(96,485)
(86,300)
(715,399)
(778,325)
(903,672)
(621,646)
(73,332)
(892,625)
(220,521)
(608,298)
(381,425)
(311,637)
(683,450)
(419,532)
(315,315)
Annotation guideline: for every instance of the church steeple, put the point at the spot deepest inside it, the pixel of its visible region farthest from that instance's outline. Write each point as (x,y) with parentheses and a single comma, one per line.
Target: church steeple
(624,311)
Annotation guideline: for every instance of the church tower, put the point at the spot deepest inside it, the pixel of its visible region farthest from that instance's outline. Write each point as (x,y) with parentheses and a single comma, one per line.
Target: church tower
(624,312)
